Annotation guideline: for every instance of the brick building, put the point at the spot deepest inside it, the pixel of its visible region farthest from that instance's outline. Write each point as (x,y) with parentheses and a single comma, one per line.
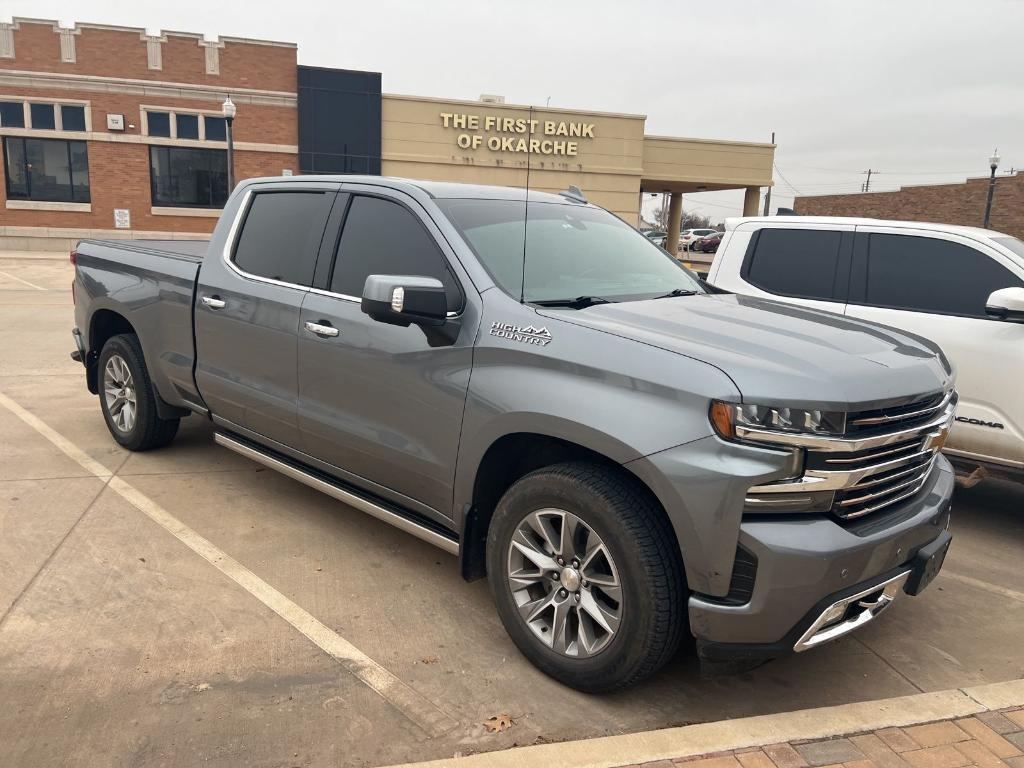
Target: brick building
(962,203)
(116,132)
(97,118)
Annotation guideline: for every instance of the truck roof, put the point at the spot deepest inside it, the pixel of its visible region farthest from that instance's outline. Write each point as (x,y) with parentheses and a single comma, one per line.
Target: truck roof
(436,189)
(974,232)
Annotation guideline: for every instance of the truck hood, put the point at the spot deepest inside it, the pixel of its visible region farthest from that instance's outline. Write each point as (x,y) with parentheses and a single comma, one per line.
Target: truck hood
(780,354)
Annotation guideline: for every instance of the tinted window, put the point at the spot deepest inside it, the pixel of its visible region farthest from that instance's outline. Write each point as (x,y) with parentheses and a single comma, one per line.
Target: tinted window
(383,238)
(216,128)
(72,117)
(12,114)
(158,123)
(795,262)
(48,170)
(925,274)
(281,234)
(192,178)
(42,116)
(188,126)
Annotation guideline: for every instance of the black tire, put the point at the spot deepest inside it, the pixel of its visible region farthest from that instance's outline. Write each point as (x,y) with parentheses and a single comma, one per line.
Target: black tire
(148,430)
(641,541)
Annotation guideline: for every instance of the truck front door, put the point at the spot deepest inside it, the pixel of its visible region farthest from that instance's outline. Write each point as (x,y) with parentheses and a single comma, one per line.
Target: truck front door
(247,309)
(381,403)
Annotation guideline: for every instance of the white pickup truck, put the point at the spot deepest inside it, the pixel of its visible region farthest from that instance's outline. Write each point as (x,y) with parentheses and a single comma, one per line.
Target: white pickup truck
(960,287)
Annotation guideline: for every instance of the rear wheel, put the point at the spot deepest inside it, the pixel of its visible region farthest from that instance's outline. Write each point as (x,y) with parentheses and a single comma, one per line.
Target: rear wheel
(586,576)
(128,399)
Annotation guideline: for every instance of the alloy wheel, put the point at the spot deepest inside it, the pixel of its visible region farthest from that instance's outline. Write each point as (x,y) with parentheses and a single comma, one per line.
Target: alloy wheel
(564,583)
(119,393)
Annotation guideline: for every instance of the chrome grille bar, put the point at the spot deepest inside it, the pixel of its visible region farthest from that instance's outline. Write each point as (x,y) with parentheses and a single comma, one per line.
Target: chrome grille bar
(868,474)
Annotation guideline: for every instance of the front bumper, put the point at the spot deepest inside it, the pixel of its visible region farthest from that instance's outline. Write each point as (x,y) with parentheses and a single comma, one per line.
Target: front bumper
(806,565)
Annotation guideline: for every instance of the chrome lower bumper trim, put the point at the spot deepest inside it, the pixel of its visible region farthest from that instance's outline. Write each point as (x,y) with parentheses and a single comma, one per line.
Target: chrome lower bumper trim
(833,622)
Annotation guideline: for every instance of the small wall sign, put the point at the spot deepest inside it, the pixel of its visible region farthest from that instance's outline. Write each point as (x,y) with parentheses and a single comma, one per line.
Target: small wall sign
(115,122)
(122,218)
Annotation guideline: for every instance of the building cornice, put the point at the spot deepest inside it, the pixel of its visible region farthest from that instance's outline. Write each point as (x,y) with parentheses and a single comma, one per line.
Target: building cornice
(139,30)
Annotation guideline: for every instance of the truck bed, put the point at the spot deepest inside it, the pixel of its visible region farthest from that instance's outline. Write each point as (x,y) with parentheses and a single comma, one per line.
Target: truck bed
(151,283)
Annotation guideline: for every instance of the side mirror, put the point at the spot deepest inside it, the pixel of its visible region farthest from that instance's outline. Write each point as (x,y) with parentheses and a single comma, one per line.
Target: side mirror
(1006,304)
(405,299)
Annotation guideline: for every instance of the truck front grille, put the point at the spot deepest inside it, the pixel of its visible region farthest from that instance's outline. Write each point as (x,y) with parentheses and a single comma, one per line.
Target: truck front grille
(886,456)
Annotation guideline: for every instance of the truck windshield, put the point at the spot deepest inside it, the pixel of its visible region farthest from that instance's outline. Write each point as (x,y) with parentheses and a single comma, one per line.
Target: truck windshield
(573,252)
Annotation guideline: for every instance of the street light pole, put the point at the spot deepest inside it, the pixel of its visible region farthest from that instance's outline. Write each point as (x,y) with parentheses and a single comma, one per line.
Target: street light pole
(229,109)
(993,163)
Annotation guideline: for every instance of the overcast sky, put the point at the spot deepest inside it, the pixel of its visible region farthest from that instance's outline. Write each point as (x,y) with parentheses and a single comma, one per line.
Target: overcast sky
(921,90)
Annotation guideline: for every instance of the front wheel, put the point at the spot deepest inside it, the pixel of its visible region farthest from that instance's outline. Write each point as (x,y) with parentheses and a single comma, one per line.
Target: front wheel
(586,575)
(127,396)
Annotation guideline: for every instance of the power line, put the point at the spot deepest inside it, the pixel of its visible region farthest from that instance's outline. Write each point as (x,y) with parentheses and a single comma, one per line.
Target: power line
(787,181)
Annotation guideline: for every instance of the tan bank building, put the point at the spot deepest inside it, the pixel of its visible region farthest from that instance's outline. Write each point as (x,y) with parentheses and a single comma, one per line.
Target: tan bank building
(118,132)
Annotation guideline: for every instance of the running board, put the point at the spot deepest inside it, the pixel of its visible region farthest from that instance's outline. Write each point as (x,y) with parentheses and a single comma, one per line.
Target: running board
(336,491)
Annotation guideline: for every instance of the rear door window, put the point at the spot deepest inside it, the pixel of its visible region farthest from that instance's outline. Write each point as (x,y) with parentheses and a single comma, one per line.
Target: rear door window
(281,234)
(382,237)
(802,263)
(926,274)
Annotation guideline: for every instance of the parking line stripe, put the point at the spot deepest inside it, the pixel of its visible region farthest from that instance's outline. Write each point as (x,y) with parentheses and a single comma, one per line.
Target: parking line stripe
(26,282)
(987,586)
(402,697)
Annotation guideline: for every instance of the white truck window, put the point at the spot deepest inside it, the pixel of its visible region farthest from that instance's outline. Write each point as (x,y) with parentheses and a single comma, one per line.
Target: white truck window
(926,274)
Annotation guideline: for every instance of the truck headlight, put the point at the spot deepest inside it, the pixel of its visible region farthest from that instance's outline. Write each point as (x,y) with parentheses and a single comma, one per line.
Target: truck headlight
(727,417)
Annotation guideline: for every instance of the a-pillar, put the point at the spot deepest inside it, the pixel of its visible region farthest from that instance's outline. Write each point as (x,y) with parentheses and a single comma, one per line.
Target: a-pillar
(675,215)
(751,201)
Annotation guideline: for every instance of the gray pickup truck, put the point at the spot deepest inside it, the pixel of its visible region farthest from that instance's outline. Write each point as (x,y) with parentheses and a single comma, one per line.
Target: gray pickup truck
(627,454)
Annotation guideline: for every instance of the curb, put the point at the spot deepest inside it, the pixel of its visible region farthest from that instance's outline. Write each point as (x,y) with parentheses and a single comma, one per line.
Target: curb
(740,733)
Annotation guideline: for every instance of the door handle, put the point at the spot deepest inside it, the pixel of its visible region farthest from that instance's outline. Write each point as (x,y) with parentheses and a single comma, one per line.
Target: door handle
(214,302)
(324,331)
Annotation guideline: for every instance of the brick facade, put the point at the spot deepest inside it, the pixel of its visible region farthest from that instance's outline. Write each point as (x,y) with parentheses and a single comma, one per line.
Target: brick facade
(941,203)
(120,70)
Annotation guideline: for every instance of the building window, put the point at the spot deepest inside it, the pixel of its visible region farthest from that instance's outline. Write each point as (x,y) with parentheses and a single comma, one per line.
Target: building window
(12,114)
(216,128)
(48,170)
(189,178)
(72,117)
(188,126)
(158,124)
(43,116)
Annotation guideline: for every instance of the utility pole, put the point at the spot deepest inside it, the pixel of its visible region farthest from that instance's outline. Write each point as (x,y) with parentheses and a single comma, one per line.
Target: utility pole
(768,194)
(866,187)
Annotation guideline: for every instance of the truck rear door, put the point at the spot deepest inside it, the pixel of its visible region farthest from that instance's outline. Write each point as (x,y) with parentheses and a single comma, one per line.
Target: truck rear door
(247,308)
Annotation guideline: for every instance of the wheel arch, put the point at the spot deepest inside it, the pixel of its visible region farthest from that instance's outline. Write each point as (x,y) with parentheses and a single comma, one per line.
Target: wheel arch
(104,324)
(508,458)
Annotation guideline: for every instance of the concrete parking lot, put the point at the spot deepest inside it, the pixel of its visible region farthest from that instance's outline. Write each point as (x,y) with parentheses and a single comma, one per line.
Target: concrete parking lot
(186,606)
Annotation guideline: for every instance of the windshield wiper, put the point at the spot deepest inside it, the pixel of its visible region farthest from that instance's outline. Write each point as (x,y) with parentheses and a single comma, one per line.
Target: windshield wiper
(677,292)
(580,302)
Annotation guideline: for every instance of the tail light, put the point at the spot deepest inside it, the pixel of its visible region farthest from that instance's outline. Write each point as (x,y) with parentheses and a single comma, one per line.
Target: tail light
(74,257)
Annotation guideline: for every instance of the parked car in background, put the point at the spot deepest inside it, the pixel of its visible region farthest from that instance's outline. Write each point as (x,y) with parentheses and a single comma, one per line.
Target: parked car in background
(627,456)
(689,236)
(656,236)
(708,243)
(961,287)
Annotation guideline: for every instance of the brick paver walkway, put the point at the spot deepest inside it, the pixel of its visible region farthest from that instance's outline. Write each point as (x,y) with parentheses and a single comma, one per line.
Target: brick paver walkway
(988,740)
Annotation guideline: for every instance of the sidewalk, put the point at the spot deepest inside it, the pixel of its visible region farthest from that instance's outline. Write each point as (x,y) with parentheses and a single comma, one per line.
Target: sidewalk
(986,740)
(981,726)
